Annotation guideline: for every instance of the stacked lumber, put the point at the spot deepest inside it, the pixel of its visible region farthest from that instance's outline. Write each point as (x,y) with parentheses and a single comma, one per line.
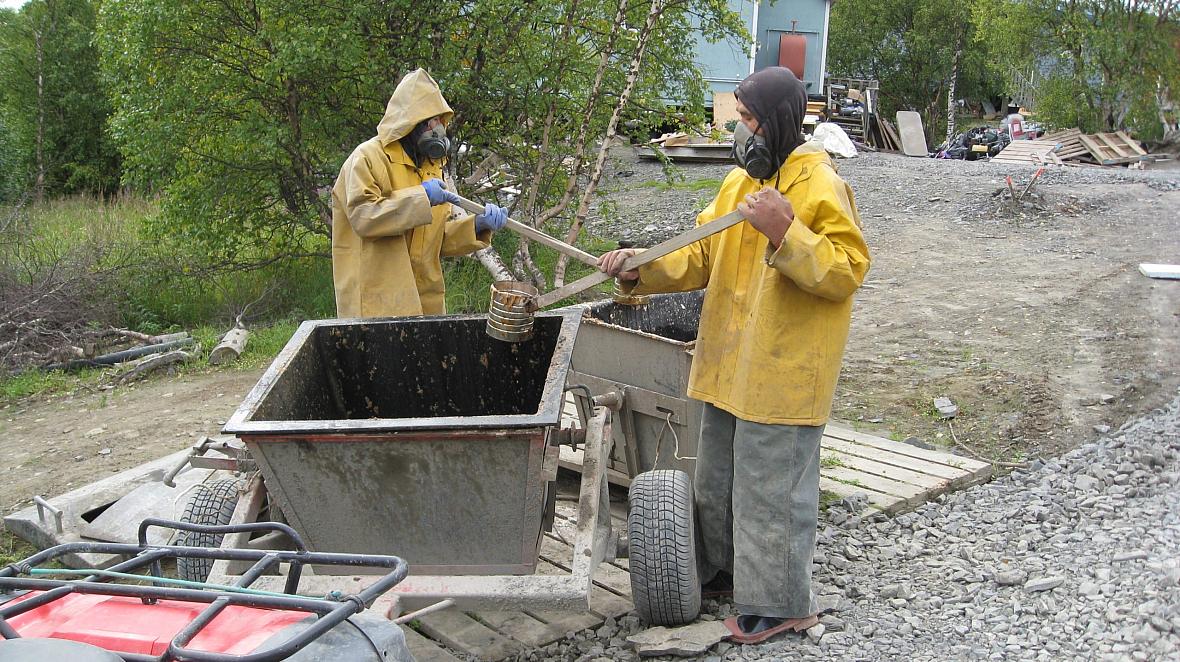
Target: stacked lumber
(883,135)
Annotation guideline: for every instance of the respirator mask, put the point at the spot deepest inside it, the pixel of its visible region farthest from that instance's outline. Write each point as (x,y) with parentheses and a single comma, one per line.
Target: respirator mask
(433,143)
(752,154)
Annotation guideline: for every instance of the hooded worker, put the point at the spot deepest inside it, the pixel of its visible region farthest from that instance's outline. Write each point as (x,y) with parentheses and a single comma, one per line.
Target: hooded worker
(390,223)
(774,321)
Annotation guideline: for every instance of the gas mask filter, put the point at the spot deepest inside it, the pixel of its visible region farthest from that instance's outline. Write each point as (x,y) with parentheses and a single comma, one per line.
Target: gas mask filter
(751,153)
(433,143)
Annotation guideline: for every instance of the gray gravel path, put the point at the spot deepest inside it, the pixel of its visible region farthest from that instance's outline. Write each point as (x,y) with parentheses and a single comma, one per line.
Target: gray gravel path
(1073,559)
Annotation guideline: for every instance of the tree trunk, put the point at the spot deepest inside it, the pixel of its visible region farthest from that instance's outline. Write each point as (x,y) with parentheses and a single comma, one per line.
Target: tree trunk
(39,147)
(653,17)
(950,91)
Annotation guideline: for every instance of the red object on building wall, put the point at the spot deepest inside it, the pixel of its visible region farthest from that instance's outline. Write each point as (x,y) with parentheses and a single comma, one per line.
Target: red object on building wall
(792,52)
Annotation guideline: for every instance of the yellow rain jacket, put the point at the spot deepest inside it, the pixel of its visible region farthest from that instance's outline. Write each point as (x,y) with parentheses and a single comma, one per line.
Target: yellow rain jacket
(774,324)
(387,241)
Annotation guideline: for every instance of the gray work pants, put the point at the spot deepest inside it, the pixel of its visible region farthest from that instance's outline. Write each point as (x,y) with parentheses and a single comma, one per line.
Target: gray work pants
(757,505)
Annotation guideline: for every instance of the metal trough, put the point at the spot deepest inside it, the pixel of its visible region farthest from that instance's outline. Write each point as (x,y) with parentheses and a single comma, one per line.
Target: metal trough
(644,352)
(421,437)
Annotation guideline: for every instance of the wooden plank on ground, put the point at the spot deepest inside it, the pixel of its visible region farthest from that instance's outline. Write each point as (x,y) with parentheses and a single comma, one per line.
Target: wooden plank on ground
(425,650)
(922,481)
(979,471)
(884,502)
(458,631)
(934,469)
(1166,271)
(910,494)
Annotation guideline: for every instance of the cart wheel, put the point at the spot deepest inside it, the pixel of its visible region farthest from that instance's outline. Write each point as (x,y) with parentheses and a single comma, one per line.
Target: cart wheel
(211,503)
(663,564)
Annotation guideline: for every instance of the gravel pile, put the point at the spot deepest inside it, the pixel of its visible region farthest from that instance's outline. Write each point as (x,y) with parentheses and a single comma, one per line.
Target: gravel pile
(1072,559)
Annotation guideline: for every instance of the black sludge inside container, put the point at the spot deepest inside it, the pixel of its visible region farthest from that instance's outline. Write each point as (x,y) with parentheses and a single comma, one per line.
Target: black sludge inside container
(673,316)
(406,368)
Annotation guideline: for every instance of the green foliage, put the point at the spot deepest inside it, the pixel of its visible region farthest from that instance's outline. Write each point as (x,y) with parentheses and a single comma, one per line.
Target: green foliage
(241,114)
(711,186)
(909,47)
(34,382)
(52,108)
(1104,64)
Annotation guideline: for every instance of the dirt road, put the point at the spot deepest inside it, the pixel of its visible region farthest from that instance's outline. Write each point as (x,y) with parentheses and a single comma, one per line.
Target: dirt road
(1038,326)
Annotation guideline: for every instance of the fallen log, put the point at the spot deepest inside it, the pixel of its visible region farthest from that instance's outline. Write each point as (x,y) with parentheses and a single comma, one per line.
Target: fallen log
(153,363)
(119,357)
(231,346)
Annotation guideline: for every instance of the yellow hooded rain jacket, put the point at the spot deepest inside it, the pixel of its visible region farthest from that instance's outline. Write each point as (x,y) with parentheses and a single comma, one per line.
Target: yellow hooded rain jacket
(774,324)
(387,241)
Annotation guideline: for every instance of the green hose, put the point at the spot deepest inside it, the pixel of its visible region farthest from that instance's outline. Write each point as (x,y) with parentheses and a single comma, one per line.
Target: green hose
(166,580)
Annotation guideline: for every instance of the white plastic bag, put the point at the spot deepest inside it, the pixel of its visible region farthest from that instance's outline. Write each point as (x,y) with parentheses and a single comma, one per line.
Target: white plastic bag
(834,140)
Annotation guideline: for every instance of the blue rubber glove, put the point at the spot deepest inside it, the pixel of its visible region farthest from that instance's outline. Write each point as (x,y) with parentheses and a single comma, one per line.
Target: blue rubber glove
(437,194)
(493,218)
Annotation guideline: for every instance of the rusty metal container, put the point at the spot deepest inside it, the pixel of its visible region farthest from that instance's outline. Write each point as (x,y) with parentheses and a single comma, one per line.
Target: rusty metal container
(644,352)
(420,436)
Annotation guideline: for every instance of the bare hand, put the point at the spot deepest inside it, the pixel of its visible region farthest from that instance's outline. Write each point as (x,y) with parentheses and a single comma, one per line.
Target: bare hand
(611,262)
(769,212)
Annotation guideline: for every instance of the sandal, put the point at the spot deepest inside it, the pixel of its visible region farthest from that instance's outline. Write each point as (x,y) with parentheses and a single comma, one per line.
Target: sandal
(750,629)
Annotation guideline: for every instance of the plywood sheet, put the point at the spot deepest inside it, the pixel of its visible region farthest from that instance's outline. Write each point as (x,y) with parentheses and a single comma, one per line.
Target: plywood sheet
(724,109)
(913,138)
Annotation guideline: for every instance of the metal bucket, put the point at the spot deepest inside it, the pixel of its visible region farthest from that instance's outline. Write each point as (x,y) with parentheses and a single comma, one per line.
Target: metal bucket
(510,317)
(622,298)
(419,436)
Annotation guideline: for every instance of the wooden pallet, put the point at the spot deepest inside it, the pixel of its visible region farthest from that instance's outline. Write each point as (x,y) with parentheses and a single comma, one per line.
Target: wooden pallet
(895,477)
(1036,152)
(497,635)
(1113,148)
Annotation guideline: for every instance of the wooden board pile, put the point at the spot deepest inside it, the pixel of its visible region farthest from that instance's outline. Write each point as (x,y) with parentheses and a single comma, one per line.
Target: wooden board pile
(883,135)
(1073,148)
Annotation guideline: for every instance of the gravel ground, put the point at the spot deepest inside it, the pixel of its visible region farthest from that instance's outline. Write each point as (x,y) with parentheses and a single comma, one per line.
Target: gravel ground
(1073,559)
(877,179)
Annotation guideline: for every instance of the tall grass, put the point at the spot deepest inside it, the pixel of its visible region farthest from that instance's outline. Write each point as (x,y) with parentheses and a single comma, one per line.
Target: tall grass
(155,286)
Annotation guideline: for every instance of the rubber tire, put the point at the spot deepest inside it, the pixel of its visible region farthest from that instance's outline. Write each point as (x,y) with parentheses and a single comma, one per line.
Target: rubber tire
(211,503)
(662,547)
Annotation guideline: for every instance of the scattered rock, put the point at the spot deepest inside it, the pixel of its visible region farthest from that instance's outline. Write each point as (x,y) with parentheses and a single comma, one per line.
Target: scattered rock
(946,408)
(1043,584)
(691,639)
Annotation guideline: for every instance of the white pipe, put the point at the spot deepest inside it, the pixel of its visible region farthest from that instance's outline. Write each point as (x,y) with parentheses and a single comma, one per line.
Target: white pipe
(823,53)
(754,35)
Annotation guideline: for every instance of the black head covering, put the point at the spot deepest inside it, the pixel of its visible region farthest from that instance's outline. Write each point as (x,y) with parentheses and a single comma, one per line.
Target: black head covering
(778,100)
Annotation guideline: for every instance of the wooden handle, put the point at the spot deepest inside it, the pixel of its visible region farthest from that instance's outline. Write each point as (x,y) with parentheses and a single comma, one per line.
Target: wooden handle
(535,235)
(650,255)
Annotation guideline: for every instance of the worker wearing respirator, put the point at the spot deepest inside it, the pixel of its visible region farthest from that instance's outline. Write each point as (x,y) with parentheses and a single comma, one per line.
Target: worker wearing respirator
(390,222)
(774,322)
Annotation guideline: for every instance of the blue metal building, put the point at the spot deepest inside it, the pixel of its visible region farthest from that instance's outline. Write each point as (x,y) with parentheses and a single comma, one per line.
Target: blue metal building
(791,33)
